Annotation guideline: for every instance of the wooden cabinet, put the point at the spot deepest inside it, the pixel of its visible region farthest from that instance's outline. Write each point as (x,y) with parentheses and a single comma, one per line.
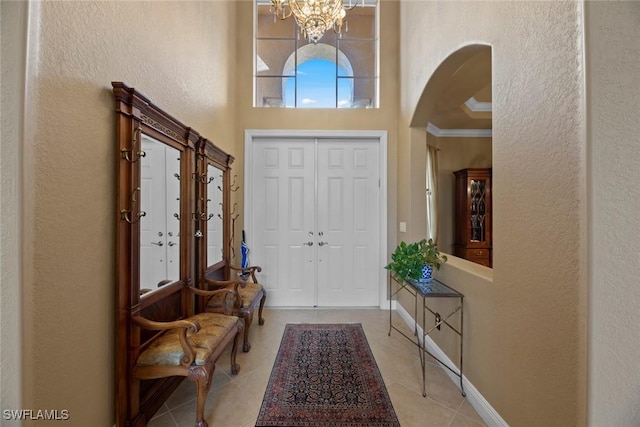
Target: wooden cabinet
(473,215)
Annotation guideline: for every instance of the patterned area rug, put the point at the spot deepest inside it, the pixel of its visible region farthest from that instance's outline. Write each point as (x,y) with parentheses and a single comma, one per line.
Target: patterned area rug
(325,375)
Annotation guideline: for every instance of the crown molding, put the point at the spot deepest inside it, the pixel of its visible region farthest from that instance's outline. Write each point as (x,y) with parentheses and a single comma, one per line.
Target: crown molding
(458,133)
(476,106)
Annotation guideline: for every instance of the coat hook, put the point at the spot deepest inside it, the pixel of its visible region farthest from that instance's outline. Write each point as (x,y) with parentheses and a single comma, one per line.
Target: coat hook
(128,154)
(199,178)
(202,216)
(125,214)
(235,177)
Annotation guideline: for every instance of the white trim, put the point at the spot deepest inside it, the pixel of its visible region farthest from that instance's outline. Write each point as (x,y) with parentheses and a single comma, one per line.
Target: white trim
(477,106)
(381,136)
(458,133)
(488,414)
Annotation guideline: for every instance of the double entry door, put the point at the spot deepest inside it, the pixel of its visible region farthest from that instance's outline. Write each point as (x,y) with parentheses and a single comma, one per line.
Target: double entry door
(314,223)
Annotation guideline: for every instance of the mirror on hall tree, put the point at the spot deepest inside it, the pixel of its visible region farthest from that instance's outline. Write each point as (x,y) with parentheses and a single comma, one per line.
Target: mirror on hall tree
(160,227)
(215,238)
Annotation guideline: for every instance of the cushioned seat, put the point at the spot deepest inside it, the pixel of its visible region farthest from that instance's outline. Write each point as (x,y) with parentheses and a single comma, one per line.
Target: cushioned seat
(167,351)
(187,347)
(249,295)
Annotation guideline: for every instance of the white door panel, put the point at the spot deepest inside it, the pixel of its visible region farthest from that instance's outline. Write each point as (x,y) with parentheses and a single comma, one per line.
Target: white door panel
(314,220)
(348,205)
(282,218)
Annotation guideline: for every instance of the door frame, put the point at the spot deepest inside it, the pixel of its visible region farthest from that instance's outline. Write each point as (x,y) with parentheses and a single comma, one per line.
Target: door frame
(250,135)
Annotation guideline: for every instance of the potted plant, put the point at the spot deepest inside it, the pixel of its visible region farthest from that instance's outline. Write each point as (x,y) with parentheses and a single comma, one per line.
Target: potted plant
(417,260)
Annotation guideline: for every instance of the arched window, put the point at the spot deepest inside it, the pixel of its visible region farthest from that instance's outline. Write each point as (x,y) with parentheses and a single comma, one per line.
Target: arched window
(338,72)
(322,78)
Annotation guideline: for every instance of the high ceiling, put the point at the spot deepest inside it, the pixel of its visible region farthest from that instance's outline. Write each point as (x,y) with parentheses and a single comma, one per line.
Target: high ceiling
(465,103)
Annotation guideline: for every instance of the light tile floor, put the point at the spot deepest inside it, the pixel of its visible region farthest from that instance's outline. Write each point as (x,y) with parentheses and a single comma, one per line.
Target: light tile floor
(234,400)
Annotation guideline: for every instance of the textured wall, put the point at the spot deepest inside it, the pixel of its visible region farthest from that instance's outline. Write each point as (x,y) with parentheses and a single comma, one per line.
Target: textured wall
(613,73)
(178,54)
(13,27)
(523,327)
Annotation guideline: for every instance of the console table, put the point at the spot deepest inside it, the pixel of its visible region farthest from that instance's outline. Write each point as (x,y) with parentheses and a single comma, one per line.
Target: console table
(424,292)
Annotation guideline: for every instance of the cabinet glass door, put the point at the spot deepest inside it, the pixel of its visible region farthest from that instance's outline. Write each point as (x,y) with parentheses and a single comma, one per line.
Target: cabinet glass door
(478,208)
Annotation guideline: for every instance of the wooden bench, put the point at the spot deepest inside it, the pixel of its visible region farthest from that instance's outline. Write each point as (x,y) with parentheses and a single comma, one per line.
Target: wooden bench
(189,348)
(249,295)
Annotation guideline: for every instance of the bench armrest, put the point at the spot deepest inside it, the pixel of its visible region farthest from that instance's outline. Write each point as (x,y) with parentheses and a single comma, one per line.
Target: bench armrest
(210,294)
(230,285)
(184,326)
(251,270)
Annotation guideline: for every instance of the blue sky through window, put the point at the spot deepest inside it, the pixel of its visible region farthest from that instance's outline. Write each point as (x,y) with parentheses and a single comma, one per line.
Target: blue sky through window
(317,81)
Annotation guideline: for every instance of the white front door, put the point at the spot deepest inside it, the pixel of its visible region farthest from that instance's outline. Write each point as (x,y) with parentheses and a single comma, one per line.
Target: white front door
(348,222)
(282,220)
(314,219)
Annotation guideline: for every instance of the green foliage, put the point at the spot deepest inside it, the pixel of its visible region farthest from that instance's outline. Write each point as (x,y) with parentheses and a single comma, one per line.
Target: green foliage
(407,260)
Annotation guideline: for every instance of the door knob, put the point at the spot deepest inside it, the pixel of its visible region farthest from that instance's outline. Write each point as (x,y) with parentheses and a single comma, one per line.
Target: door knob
(322,243)
(157,243)
(171,244)
(308,243)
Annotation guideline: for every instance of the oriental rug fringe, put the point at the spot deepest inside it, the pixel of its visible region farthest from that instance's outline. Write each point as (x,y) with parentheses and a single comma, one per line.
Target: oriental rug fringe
(325,375)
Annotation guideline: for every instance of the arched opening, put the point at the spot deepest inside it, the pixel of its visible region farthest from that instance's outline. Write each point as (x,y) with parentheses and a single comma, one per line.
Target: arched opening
(453,115)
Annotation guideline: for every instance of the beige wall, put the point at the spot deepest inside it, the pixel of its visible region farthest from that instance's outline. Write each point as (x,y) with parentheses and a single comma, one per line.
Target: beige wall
(523,325)
(14,15)
(613,73)
(178,54)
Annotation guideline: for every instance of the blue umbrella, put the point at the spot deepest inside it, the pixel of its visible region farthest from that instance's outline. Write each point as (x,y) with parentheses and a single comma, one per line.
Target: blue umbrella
(244,249)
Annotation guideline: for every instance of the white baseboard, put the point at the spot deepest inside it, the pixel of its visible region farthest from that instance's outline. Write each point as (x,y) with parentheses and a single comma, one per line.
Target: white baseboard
(385,305)
(489,415)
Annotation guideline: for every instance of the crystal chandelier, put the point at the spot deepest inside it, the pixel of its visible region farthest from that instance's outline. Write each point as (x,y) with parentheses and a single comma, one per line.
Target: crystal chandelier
(314,17)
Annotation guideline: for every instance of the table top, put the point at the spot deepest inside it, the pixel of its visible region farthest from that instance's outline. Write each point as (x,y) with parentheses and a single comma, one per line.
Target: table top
(432,289)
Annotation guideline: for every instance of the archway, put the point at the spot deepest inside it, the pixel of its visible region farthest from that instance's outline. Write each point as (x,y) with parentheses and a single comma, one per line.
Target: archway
(453,115)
